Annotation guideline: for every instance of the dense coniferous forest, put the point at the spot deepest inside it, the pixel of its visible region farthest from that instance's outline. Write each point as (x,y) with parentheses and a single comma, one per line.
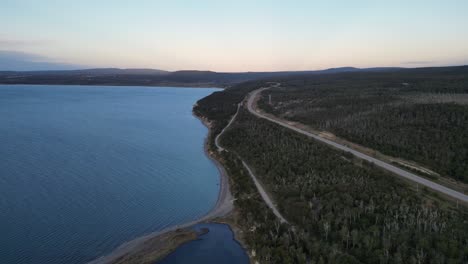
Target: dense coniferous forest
(341,210)
(220,106)
(342,213)
(420,115)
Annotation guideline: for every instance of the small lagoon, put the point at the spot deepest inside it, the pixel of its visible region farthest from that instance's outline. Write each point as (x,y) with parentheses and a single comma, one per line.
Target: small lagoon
(216,246)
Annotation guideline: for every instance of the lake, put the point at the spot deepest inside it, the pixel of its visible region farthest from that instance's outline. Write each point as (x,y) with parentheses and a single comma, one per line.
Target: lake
(85,168)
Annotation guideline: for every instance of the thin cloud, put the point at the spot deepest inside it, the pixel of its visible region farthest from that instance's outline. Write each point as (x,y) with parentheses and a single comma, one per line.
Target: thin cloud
(418,62)
(12,43)
(21,61)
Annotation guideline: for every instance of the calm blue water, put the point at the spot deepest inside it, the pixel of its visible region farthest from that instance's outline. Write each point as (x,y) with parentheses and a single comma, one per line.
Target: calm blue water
(84,169)
(216,246)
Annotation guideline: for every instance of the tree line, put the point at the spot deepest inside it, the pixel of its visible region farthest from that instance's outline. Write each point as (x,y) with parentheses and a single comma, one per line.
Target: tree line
(391,112)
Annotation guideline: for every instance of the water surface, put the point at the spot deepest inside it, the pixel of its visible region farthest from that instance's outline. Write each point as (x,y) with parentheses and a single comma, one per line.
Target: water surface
(86,168)
(216,246)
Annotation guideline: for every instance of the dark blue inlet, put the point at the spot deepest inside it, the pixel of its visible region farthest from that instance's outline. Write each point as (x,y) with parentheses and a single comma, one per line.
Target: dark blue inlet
(216,246)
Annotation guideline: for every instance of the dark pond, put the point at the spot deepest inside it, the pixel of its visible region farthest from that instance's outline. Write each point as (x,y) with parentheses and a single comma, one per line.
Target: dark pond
(216,246)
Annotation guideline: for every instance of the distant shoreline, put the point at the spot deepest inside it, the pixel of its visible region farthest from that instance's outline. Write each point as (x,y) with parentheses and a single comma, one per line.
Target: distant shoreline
(223,206)
(200,86)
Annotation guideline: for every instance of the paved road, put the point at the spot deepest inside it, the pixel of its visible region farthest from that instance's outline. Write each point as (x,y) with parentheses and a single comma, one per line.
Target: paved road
(257,183)
(384,165)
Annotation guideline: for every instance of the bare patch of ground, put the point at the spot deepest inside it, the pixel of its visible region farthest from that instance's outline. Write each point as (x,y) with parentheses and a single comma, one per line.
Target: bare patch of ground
(437,98)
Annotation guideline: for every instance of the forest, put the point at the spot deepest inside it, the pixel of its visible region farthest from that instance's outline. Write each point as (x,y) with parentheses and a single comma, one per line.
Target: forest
(340,210)
(420,115)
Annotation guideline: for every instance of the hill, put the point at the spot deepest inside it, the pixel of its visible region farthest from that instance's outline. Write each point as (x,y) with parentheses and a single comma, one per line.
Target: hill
(152,77)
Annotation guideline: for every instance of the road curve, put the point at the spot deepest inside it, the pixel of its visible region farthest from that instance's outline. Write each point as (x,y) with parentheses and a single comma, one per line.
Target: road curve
(257,183)
(410,176)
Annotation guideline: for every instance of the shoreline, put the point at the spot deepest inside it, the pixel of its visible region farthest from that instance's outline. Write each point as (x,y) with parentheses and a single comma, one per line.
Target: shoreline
(194,85)
(223,206)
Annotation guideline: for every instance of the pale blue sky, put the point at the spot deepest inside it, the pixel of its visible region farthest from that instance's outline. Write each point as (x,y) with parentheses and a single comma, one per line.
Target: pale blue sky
(238,35)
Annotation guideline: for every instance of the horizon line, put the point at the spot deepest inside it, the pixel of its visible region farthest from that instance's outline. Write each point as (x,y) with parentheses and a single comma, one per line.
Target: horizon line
(213,71)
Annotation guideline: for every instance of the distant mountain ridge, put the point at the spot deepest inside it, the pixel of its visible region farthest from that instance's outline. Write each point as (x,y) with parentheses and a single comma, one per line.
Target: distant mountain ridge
(95,71)
(154,77)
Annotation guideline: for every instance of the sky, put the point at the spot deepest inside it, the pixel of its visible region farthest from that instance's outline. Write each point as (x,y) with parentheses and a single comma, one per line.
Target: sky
(241,35)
